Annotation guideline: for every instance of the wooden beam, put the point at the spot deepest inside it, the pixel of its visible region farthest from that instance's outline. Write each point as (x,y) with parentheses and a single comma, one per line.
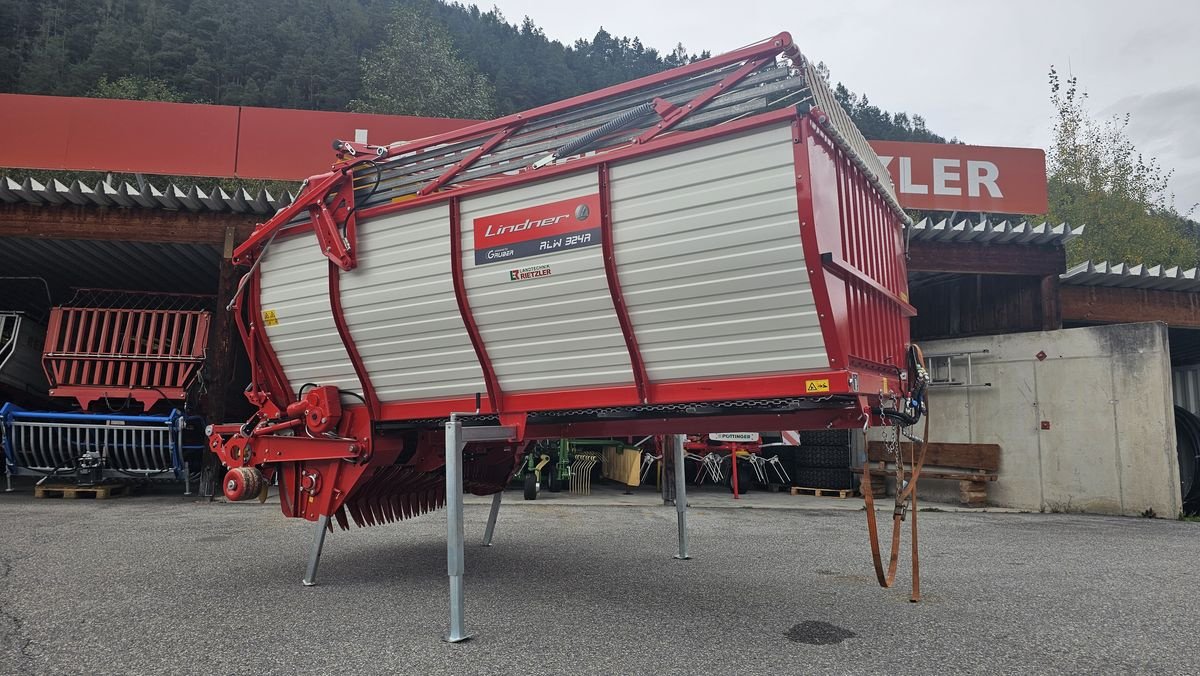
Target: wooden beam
(1051,307)
(989,259)
(1113,305)
(219,362)
(130,225)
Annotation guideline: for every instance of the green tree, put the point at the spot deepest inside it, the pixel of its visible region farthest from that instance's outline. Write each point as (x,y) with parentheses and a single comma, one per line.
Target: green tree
(418,71)
(1098,178)
(135,88)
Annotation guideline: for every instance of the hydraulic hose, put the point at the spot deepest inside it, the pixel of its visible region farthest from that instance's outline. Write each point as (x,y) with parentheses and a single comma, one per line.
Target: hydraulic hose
(583,141)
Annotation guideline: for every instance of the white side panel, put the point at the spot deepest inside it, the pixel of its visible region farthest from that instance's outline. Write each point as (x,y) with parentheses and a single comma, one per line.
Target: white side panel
(558,331)
(401,311)
(708,252)
(295,286)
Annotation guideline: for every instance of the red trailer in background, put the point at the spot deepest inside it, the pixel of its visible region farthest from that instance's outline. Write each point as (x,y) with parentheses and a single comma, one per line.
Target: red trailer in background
(709,248)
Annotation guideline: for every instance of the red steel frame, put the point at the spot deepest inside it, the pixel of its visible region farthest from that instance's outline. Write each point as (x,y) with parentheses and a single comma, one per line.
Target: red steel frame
(852,252)
(114,353)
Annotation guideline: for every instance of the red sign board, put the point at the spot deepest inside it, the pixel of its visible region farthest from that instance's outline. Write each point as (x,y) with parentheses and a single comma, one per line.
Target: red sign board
(295,144)
(54,132)
(955,177)
(184,139)
(555,226)
(67,133)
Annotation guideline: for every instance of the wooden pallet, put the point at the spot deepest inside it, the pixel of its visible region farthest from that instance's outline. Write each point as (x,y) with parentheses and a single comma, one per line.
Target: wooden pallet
(100,492)
(841,493)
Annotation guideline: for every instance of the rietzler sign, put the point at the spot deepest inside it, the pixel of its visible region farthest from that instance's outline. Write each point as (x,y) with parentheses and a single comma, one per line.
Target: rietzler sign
(954,177)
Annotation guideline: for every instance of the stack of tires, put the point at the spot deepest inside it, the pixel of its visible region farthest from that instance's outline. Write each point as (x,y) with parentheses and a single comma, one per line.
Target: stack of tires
(823,460)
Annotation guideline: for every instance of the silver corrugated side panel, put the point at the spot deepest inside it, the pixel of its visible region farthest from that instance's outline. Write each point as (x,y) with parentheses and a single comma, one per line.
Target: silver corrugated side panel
(1185,387)
(550,332)
(401,312)
(295,288)
(708,252)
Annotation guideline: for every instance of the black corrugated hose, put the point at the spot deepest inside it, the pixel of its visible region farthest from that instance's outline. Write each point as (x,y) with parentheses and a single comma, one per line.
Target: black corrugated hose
(613,126)
(1187,446)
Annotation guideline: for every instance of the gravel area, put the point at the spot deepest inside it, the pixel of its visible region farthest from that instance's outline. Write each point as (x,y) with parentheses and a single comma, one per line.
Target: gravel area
(164,584)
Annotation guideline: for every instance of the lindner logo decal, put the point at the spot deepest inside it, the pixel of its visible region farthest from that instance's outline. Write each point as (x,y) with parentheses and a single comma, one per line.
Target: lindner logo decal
(541,229)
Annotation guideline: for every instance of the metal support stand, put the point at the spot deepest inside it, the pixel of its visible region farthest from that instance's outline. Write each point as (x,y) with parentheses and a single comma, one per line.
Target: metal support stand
(314,554)
(457,437)
(7,482)
(491,524)
(680,496)
(455,565)
(187,481)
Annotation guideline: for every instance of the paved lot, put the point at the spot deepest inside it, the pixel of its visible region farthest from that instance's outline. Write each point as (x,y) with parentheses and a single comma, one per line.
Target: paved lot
(163,584)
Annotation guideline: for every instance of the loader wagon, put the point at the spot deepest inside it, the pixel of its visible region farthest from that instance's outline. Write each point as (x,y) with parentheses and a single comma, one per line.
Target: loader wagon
(709,248)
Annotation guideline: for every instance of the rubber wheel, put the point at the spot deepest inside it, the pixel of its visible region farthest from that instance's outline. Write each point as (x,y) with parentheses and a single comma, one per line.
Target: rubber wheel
(552,481)
(745,472)
(531,486)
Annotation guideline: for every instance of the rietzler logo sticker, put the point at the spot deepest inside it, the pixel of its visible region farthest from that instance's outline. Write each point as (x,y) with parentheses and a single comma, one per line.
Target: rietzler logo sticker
(531,272)
(544,228)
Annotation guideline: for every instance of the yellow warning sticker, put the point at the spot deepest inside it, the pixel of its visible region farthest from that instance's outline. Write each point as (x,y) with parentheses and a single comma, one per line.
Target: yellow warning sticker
(885,385)
(269,318)
(817,386)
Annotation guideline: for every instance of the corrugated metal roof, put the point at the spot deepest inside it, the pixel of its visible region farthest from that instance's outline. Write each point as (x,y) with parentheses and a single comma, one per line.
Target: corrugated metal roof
(174,197)
(66,263)
(1158,277)
(989,232)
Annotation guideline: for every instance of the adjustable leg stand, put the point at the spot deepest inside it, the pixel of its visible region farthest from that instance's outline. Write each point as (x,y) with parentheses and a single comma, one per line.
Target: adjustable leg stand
(456,440)
(314,553)
(491,522)
(680,496)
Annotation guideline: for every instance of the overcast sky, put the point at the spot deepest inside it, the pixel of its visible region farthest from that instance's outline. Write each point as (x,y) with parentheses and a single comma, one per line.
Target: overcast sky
(975,70)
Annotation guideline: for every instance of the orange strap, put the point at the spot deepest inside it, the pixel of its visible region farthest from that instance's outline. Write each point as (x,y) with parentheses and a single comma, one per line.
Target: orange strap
(904,494)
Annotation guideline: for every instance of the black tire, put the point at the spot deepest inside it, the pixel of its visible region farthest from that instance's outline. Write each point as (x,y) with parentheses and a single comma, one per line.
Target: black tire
(531,486)
(745,478)
(552,481)
(823,477)
(825,438)
(822,457)
(1187,446)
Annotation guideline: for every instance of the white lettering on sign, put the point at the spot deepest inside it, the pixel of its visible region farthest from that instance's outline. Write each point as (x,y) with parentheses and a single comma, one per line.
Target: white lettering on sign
(982,173)
(942,176)
(906,184)
(947,177)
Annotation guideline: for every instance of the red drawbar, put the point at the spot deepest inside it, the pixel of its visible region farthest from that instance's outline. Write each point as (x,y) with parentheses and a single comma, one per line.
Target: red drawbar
(640,378)
(464,308)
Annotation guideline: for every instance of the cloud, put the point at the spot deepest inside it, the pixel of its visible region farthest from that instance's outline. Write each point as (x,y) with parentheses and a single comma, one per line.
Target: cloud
(1163,125)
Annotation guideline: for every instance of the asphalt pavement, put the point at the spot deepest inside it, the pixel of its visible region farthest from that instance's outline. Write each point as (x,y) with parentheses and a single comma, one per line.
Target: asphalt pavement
(165,584)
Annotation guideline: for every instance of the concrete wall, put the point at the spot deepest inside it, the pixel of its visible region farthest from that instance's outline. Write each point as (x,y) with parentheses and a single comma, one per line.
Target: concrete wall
(1105,393)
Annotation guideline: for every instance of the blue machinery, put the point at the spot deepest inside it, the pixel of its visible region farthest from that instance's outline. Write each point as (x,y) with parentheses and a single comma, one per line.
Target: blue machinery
(91,447)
